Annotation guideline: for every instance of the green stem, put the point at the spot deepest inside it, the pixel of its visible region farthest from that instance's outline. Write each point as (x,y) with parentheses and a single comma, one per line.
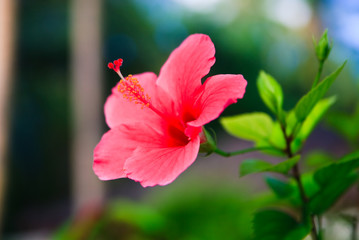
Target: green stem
(296,175)
(354,229)
(247,150)
(319,73)
(320,232)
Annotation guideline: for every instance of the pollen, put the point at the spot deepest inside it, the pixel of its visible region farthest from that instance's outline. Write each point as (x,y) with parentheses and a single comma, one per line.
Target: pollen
(130,87)
(133,91)
(115,65)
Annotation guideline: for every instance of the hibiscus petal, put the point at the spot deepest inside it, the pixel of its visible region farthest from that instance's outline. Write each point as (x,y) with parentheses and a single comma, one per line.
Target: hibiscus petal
(110,156)
(118,144)
(160,166)
(181,75)
(119,110)
(216,94)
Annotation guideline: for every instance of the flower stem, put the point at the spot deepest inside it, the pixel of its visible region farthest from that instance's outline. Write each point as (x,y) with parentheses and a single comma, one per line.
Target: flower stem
(296,175)
(319,73)
(247,150)
(354,229)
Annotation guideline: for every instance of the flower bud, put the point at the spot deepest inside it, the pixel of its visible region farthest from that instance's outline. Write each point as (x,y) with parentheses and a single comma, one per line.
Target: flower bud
(323,47)
(208,144)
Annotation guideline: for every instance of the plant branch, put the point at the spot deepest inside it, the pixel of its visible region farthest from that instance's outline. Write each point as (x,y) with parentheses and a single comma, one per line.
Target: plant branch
(319,73)
(243,151)
(296,175)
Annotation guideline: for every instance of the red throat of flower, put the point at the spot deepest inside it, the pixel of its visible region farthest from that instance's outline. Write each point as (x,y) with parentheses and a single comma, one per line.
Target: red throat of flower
(131,90)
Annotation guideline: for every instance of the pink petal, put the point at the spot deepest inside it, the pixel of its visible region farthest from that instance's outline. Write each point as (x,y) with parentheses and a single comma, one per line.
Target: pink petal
(181,75)
(160,166)
(110,156)
(216,94)
(119,110)
(118,144)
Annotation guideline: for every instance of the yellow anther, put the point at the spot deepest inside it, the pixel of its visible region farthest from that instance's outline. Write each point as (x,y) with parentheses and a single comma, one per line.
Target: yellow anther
(132,90)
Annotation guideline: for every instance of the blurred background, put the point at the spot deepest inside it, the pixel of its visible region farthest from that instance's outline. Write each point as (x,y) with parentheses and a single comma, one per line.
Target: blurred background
(54,82)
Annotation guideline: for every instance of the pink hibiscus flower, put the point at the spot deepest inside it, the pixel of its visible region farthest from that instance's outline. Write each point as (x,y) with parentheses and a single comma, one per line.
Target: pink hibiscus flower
(156,122)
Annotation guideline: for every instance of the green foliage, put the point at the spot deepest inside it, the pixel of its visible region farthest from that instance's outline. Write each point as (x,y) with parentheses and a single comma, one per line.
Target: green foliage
(346,125)
(250,126)
(193,211)
(311,121)
(288,190)
(255,165)
(273,224)
(334,180)
(311,193)
(308,101)
(318,159)
(276,137)
(270,92)
(280,188)
(208,146)
(123,219)
(201,212)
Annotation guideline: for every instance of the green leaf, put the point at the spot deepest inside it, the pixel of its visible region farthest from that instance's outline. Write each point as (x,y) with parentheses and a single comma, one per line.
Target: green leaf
(276,137)
(280,188)
(309,185)
(300,232)
(255,126)
(333,181)
(291,123)
(315,115)
(308,101)
(346,124)
(319,159)
(311,121)
(335,171)
(286,165)
(255,166)
(273,224)
(329,194)
(270,92)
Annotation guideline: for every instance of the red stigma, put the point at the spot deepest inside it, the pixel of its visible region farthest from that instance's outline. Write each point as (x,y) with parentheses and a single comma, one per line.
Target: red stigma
(115,65)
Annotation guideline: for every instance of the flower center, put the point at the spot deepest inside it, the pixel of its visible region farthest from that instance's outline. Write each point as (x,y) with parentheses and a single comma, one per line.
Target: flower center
(129,86)
(132,90)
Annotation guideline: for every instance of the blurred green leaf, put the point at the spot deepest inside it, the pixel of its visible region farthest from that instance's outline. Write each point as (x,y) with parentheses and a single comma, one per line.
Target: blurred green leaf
(255,165)
(250,126)
(249,166)
(280,188)
(275,225)
(145,218)
(338,169)
(311,121)
(300,232)
(346,125)
(309,185)
(291,123)
(270,92)
(333,181)
(286,165)
(330,193)
(318,159)
(277,137)
(308,101)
